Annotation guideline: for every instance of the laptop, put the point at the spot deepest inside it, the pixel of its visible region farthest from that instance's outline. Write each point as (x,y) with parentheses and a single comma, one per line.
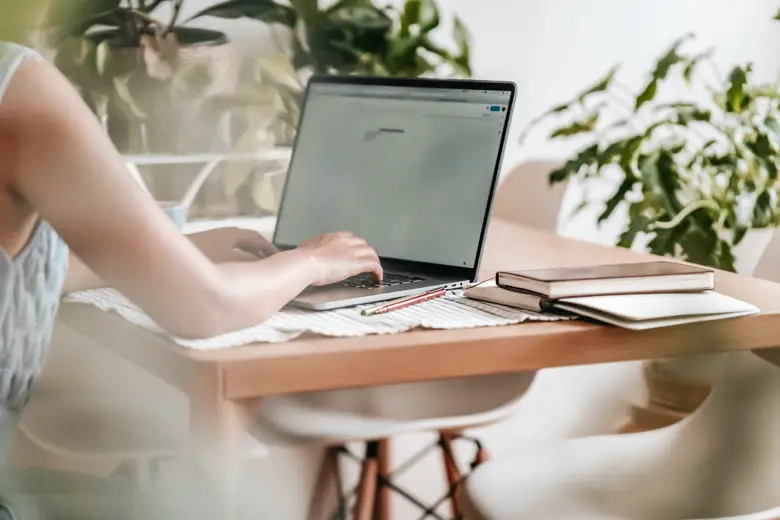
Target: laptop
(410,165)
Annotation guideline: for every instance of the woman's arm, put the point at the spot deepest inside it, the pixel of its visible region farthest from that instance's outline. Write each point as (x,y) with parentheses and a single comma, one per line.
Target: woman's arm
(220,245)
(66,168)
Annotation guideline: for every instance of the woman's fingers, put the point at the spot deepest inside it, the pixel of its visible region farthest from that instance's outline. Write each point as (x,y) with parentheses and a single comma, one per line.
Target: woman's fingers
(370,263)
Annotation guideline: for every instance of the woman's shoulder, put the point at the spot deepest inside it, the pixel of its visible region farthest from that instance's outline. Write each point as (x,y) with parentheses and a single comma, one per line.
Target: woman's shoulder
(12,55)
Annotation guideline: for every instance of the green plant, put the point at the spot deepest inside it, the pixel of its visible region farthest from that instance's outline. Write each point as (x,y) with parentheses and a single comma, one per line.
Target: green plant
(358,37)
(125,22)
(139,76)
(696,175)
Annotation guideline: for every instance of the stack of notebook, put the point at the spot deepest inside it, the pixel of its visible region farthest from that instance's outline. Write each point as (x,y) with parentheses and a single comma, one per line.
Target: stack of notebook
(635,296)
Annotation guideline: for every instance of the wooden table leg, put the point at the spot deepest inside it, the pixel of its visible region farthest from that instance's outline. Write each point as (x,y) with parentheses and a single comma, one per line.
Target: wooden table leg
(366,491)
(383,494)
(218,428)
(452,472)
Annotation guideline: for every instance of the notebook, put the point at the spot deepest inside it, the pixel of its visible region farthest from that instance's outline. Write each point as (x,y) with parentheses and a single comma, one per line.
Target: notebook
(489,292)
(645,277)
(630,311)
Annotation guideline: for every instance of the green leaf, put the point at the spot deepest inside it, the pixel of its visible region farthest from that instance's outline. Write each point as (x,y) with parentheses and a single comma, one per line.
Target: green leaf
(462,36)
(699,246)
(777,16)
(348,3)
(739,234)
(725,256)
(577,127)
(706,248)
(647,95)
(103,57)
(266,11)
(686,115)
(763,147)
(736,96)
(463,42)
(409,16)
(631,148)
(659,174)
(462,66)
(665,240)
(611,153)
(728,160)
(624,189)
(306,9)
(402,48)
(586,157)
(763,211)
(429,16)
(601,86)
(670,59)
(690,66)
(638,224)
(559,108)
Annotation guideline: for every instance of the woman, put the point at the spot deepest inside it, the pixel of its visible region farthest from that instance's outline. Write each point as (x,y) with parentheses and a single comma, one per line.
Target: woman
(71,218)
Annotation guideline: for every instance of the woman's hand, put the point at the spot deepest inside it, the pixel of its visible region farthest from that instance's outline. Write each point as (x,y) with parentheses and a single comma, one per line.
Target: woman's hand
(232,244)
(337,256)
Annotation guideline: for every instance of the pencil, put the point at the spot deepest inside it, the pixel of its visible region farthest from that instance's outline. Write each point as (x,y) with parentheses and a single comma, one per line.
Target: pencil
(405,302)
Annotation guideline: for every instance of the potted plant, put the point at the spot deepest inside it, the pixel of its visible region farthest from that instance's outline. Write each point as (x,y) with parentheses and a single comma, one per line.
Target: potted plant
(359,37)
(696,176)
(138,71)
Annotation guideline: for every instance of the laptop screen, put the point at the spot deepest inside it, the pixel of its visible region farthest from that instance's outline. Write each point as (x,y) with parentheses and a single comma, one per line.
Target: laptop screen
(408,168)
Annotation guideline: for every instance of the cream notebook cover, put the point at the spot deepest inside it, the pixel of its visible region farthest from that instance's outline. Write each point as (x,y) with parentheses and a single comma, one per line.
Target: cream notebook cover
(648,311)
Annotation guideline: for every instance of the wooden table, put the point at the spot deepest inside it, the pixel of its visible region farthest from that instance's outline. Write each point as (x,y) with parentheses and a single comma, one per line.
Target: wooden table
(224,384)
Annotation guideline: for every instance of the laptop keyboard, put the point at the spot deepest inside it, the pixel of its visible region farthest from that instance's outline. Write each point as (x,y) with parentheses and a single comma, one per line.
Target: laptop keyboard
(369,281)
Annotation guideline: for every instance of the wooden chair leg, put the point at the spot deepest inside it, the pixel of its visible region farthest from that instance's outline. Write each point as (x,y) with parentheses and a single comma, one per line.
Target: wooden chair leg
(325,499)
(383,494)
(366,491)
(452,472)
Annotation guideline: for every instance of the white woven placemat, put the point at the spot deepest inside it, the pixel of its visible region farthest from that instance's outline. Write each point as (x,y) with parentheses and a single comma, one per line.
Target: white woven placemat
(451,312)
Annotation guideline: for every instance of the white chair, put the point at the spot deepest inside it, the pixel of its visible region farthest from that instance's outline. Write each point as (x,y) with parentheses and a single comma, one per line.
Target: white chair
(719,462)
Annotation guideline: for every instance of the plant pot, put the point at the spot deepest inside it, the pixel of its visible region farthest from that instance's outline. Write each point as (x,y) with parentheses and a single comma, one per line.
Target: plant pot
(203,46)
(162,134)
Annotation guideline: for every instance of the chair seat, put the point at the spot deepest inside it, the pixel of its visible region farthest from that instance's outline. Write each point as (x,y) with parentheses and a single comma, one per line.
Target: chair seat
(87,424)
(386,411)
(715,463)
